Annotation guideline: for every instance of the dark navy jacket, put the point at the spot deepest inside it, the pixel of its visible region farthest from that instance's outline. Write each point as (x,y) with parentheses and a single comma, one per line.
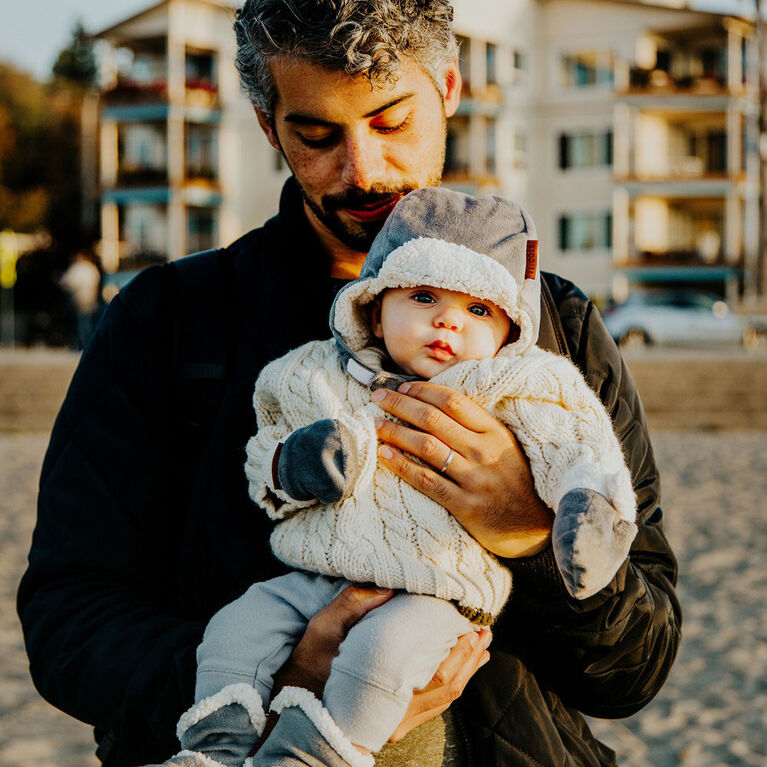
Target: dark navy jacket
(145,527)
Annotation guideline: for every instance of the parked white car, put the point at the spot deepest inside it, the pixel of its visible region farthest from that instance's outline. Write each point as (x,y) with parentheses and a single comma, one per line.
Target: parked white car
(677,317)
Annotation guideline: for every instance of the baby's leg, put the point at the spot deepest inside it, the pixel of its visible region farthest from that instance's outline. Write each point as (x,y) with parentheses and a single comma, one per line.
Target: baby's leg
(244,644)
(392,651)
(250,638)
(590,540)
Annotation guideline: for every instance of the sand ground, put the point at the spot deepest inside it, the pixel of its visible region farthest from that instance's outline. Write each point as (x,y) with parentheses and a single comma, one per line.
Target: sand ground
(712,711)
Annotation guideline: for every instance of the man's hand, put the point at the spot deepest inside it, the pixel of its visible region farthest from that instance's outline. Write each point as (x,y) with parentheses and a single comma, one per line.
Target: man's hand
(309,663)
(487,485)
(467,656)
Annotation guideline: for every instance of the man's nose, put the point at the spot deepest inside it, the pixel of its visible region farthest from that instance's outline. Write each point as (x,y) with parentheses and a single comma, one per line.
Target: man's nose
(362,162)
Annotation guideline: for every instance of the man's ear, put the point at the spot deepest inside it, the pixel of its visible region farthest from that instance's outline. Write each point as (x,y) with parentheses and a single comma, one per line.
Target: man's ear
(268,128)
(375,317)
(453,82)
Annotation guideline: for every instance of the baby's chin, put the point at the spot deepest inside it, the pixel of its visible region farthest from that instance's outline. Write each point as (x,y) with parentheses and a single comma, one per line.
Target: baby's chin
(429,368)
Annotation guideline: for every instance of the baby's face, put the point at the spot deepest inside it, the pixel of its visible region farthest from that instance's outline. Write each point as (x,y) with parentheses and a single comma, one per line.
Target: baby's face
(427,330)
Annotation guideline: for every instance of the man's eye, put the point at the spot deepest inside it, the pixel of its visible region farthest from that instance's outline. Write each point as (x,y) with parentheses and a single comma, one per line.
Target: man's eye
(396,128)
(319,141)
(480,310)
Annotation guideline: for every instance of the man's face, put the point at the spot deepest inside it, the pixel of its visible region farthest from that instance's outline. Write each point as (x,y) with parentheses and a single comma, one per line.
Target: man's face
(355,150)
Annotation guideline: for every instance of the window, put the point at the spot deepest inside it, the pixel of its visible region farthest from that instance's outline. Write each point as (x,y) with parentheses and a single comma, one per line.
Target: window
(585,231)
(491,56)
(202,152)
(491,163)
(581,70)
(200,70)
(518,66)
(586,149)
(202,229)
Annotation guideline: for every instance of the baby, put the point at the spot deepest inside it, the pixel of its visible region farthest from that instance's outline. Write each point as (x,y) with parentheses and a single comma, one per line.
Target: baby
(449,292)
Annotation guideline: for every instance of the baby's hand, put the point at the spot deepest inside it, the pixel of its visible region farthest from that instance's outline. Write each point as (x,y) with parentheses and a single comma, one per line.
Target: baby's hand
(317,461)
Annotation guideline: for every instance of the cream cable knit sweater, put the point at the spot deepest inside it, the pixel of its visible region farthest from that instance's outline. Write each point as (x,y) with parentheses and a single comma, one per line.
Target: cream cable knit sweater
(388,533)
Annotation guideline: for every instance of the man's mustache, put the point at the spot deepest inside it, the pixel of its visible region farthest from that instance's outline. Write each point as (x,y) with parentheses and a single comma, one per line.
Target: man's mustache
(355,198)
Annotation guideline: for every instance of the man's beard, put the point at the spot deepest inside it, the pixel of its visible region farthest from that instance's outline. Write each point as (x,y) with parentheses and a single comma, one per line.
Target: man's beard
(358,235)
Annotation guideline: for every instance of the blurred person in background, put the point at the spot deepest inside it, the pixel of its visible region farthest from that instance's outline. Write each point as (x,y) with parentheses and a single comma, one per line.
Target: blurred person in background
(145,528)
(82,281)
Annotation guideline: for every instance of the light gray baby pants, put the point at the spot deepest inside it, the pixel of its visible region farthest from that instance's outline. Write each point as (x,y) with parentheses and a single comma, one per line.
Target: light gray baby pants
(390,652)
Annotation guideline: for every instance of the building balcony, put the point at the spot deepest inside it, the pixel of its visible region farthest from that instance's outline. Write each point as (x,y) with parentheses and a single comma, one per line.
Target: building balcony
(680,185)
(660,81)
(141,175)
(677,267)
(201,173)
(129,92)
(675,259)
(202,93)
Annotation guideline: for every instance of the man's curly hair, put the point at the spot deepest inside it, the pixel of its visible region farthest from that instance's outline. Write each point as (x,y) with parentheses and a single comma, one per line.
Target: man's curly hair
(359,37)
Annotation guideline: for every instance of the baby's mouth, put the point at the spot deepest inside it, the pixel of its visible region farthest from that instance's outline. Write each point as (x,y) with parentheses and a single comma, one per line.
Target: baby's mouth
(441,350)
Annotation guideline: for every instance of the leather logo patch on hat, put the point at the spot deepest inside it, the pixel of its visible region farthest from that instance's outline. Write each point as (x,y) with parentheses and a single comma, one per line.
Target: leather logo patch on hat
(531,261)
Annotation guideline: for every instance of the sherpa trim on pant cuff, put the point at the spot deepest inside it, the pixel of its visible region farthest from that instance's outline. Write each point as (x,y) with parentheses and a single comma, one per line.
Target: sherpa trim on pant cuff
(201,760)
(240,693)
(323,721)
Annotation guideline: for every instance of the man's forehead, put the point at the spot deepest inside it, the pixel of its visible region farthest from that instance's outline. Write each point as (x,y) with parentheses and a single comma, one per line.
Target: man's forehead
(305,89)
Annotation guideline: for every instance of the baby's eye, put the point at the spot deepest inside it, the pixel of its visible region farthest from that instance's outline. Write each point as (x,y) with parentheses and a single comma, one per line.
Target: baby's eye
(480,310)
(423,298)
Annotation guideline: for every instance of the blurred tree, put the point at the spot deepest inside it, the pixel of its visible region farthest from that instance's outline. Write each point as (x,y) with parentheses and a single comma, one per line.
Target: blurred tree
(25,142)
(77,63)
(40,145)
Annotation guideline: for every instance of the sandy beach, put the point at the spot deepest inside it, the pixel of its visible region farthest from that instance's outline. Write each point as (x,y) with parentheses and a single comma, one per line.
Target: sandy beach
(713,709)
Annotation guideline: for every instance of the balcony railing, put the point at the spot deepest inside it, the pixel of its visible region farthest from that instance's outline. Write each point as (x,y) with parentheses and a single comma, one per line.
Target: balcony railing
(660,81)
(127,91)
(198,172)
(671,258)
(141,175)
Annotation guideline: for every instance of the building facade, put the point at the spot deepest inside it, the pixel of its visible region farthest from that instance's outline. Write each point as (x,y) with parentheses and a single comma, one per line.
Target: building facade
(630,131)
(183,164)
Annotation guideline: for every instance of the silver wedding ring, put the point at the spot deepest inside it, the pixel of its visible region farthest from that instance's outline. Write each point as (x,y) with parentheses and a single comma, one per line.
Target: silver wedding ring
(447,461)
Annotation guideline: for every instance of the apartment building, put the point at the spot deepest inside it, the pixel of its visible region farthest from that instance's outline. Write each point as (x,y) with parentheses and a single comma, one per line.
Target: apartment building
(183,164)
(629,130)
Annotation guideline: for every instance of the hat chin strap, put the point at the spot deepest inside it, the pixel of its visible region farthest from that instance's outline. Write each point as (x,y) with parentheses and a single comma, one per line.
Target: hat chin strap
(359,372)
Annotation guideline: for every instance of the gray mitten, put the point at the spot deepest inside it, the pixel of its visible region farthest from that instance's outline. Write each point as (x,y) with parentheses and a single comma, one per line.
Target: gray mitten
(590,541)
(318,461)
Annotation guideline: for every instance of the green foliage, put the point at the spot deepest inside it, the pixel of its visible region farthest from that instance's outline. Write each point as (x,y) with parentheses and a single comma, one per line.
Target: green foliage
(77,62)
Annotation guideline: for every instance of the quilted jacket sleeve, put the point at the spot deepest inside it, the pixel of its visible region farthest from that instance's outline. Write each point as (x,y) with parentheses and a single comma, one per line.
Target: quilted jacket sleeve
(607,655)
(96,600)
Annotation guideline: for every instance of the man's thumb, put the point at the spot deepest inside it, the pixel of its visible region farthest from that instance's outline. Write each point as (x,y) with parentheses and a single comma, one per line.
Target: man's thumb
(355,601)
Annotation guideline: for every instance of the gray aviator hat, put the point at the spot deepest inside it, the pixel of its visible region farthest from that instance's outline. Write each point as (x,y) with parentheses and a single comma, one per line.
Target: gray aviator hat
(483,246)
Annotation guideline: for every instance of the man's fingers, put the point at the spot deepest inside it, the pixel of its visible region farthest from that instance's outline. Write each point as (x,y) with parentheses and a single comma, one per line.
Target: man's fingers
(425,446)
(462,661)
(451,402)
(452,676)
(425,417)
(432,484)
(350,605)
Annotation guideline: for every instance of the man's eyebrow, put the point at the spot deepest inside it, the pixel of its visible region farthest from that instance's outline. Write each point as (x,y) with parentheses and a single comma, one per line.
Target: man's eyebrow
(301,119)
(390,104)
